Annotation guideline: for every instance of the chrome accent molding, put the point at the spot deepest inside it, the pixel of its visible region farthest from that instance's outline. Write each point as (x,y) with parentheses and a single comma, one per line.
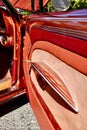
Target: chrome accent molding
(67,99)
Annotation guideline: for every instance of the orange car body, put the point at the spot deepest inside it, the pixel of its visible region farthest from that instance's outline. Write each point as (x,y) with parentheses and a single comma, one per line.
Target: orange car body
(44,55)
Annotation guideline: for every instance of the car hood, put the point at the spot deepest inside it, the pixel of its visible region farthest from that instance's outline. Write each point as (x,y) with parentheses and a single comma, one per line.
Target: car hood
(25,4)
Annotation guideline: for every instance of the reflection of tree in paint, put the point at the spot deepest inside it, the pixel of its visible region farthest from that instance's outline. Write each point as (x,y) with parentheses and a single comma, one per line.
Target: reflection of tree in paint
(78,4)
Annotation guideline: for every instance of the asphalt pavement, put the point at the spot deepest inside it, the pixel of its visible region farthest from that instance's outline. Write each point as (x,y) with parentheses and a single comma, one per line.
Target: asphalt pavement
(18,115)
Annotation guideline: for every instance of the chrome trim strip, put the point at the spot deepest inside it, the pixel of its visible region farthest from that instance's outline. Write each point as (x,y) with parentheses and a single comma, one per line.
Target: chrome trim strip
(58,92)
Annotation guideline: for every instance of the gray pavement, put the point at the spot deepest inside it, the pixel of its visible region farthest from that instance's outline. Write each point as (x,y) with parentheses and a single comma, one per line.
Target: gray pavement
(20,119)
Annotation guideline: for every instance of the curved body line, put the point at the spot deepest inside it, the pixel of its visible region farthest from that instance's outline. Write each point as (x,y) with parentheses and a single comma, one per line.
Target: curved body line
(57,18)
(65,31)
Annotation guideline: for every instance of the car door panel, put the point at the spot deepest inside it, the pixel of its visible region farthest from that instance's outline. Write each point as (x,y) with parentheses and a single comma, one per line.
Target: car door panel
(54,58)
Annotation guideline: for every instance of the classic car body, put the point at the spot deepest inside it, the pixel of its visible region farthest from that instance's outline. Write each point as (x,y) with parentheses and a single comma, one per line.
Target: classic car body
(44,55)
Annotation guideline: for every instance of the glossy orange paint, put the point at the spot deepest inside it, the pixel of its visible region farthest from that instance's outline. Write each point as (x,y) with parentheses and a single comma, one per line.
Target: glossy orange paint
(12,82)
(46,57)
(45,38)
